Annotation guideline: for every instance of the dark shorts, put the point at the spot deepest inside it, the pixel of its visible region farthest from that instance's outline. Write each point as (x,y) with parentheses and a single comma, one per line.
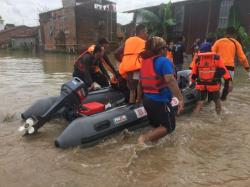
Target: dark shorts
(212,96)
(159,113)
(100,79)
(131,82)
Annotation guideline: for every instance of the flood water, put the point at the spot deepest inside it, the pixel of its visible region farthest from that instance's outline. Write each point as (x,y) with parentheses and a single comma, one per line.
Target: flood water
(207,150)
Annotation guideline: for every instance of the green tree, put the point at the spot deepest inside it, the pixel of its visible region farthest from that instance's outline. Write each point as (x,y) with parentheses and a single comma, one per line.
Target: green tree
(242,35)
(158,23)
(234,21)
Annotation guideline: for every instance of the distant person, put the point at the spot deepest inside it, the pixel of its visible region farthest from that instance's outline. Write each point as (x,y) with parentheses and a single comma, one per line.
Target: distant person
(178,53)
(159,86)
(196,46)
(228,47)
(131,62)
(89,68)
(207,43)
(207,72)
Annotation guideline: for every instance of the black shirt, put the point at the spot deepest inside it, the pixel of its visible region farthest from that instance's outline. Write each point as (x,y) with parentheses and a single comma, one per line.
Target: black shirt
(89,64)
(178,52)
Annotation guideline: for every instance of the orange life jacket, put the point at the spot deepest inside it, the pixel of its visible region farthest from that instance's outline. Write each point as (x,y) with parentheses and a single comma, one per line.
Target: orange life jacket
(193,61)
(151,82)
(78,64)
(131,61)
(169,55)
(91,50)
(206,69)
(81,67)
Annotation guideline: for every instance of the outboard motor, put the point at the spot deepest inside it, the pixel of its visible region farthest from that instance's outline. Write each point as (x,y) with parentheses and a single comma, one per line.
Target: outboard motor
(72,94)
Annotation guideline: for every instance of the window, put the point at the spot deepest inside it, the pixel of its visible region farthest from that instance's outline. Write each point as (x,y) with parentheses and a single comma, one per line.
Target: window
(98,6)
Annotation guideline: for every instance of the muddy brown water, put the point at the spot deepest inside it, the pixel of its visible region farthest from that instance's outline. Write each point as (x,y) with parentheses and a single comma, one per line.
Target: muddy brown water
(207,150)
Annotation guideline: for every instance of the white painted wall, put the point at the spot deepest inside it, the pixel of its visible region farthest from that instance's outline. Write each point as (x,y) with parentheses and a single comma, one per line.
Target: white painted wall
(23,42)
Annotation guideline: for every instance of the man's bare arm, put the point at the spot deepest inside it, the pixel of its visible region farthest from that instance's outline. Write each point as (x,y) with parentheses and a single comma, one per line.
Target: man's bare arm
(173,86)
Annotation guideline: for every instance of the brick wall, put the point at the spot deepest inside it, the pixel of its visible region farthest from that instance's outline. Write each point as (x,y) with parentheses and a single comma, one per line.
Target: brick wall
(76,27)
(92,24)
(58,29)
(70,27)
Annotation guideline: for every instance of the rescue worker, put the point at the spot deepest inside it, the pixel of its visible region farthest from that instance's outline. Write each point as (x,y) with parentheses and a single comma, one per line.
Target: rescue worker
(159,86)
(131,63)
(207,72)
(207,44)
(89,68)
(107,63)
(196,46)
(105,60)
(228,47)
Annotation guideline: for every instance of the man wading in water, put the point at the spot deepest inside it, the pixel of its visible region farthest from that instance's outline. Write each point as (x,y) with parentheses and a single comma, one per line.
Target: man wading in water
(158,85)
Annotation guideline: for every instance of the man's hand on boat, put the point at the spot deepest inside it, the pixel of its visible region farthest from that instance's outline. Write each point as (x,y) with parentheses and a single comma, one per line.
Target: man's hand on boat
(180,106)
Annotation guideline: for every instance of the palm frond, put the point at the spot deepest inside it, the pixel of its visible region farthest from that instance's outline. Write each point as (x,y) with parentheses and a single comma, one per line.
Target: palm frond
(160,23)
(170,22)
(148,16)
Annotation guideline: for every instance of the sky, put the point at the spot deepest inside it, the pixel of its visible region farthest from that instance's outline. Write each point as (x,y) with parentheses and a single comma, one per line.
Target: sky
(25,12)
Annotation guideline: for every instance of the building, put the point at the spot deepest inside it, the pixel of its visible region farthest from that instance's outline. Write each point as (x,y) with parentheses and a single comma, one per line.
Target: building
(1,24)
(19,37)
(8,26)
(78,24)
(197,18)
(24,41)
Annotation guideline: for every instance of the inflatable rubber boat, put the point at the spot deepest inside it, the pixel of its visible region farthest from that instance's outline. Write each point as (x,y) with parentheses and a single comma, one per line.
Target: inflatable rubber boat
(95,115)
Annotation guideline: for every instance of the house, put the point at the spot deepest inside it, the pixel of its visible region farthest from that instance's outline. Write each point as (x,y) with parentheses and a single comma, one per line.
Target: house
(26,41)
(20,36)
(78,24)
(197,18)
(9,26)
